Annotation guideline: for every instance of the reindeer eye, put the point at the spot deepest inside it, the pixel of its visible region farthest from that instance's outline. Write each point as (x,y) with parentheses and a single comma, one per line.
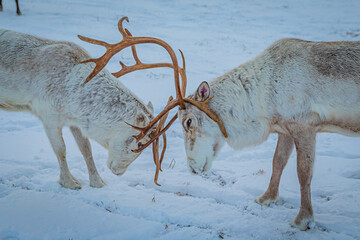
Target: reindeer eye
(188,123)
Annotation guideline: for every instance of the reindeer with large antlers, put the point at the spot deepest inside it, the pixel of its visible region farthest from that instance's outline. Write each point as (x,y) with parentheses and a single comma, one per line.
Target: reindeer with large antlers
(295,88)
(46,78)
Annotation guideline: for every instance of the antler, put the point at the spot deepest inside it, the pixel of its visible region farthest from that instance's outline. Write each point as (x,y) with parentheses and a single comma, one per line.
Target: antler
(129,40)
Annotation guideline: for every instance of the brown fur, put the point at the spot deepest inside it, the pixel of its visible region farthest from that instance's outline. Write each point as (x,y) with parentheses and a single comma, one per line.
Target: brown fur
(336,60)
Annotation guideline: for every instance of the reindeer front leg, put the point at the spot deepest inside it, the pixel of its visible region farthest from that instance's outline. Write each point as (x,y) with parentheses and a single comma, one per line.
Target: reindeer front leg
(85,148)
(54,134)
(305,141)
(283,151)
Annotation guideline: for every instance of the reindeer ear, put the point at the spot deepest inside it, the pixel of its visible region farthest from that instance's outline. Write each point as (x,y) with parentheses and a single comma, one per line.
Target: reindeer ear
(203,92)
(151,107)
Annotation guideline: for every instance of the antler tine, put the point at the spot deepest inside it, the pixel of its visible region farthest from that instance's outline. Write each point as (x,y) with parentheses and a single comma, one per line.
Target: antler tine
(93,41)
(183,75)
(121,28)
(162,152)
(164,149)
(156,159)
(156,136)
(156,156)
(133,49)
(156,146)
(158,129)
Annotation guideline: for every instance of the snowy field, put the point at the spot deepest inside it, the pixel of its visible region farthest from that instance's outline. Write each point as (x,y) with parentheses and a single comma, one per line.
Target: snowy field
(215,37)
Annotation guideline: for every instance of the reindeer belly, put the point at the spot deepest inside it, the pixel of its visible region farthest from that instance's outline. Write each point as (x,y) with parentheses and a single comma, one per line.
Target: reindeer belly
(14,96)
(9,106)
(348,127)
(343,119)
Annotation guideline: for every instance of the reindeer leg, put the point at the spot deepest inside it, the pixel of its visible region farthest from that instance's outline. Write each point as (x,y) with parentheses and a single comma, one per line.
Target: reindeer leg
(17,7)
(85,148)
(305,142)
(283,151)
(54,134)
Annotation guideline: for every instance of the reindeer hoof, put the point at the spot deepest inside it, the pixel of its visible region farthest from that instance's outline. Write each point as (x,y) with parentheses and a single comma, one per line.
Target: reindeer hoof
(265,201)
(304,224)
(70,182)
(97,182)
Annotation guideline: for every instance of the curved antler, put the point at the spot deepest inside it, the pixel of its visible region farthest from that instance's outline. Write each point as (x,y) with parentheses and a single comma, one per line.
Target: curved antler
(129,40)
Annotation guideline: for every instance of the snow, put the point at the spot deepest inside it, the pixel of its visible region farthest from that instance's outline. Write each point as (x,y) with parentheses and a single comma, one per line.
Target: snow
(215,36)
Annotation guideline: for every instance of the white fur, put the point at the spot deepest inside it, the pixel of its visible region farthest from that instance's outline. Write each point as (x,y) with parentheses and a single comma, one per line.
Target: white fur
(44,77)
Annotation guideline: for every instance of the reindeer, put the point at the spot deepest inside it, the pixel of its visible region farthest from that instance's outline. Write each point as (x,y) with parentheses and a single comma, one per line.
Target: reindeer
(294,88)
(18,12)
(44,77)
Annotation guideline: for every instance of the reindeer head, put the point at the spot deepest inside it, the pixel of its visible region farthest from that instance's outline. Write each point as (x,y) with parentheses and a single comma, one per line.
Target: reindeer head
(202,137)
(120,145)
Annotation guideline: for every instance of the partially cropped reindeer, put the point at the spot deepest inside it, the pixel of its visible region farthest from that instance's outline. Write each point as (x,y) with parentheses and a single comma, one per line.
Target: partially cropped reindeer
(294,88)
(46,78)
(18,12)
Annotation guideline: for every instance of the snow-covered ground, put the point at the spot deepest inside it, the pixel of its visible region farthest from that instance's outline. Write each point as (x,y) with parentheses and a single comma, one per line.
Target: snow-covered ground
(215,36)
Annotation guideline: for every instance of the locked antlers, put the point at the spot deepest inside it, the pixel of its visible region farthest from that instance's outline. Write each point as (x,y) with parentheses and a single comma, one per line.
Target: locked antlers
(129,40)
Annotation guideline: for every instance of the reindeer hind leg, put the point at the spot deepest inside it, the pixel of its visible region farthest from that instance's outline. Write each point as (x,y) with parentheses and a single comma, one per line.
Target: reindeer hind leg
(305,142)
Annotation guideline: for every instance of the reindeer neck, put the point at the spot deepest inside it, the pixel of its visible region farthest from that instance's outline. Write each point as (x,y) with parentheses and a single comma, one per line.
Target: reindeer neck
(240,89)
(105,103)
(240,101)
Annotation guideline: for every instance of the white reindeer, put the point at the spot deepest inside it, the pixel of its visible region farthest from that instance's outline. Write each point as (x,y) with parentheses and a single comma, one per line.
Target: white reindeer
(294,88)
(45,78)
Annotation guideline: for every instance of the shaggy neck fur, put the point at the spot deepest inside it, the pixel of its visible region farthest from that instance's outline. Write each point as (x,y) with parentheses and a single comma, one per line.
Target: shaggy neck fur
(237,95)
